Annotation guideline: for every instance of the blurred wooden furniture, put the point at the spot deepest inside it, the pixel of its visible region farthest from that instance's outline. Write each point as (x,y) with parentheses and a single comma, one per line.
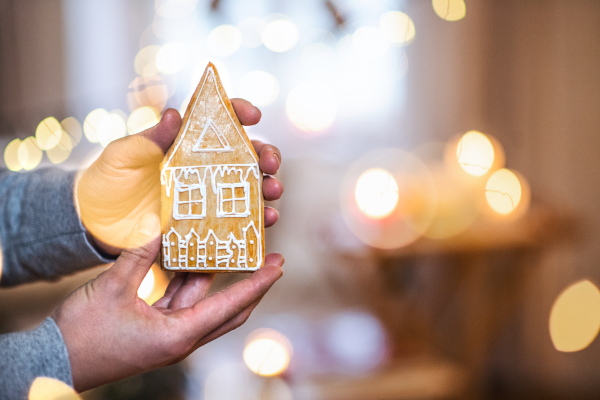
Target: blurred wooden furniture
(449,300)
(414,379)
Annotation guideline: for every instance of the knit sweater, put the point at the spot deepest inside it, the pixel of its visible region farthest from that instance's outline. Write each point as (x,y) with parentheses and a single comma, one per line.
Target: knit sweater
(41,238)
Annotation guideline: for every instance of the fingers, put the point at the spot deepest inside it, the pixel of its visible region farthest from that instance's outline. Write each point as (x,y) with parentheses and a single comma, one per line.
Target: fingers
(208,314)
(246,112)
(163,134)
(142,248)
(172,288)
(193,289)
(271,216)
(269,161)
(274,259)
(241,317)
(272,188)
(269,157)
(228,326)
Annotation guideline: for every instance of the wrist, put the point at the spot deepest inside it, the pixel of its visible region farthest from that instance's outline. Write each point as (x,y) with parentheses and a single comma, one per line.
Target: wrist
(105,250)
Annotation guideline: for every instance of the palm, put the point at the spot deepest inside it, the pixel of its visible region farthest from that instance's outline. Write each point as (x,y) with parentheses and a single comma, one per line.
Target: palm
(123,183)
(119,187)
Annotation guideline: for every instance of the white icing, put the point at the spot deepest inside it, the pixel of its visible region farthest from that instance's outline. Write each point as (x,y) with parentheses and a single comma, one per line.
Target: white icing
(209,73)
(223,249)
(175,253)
(225,147)
(221,201)
(174,174)
(190,189)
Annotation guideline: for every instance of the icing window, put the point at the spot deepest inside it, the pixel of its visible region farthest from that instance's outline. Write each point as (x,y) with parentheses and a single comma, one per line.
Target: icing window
(190,201)
(234,199)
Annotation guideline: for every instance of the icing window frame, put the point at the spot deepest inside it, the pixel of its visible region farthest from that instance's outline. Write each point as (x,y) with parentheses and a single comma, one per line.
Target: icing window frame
(221,200)
(181,188)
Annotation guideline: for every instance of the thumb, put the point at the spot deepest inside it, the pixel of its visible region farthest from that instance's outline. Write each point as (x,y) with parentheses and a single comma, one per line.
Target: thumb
(141,250)
(147,148)
(164,133)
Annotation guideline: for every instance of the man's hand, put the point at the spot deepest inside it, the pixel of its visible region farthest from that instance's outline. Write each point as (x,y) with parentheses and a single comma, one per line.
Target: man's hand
(111,333)
(124,182)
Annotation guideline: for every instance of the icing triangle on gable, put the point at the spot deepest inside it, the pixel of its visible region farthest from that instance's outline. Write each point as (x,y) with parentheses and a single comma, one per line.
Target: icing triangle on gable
(211,140)
(210,77)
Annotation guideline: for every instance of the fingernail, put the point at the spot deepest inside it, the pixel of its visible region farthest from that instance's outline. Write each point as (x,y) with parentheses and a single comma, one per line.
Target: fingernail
(278,264)
(277,157)
(148,225)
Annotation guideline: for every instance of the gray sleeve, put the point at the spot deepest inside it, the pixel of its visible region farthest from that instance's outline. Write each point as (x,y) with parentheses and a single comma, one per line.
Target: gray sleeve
(41,235)
(27,355)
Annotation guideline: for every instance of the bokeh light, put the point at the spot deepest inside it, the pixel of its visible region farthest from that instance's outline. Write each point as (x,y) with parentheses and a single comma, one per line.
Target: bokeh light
(44,388)
(48,133)
(145,61)
(393,67)
(319,58)
(174,9)
(154,285)
(280,35)
(112,127)
(416,199)
(376,193)
(251,29)
(356,340)
(92,122)
(369,42)
(172,29)
(450,10)
(73,129)
(475,153)
(147,285)
(171,58)
(141,119)
(259,87)
(149,91)
(456,205)
(11,155)
(575,317)
(29,153)
(224,40)
(61,151)
(267,352)
(503,191)
(311,107)
(397,27)
(234,381)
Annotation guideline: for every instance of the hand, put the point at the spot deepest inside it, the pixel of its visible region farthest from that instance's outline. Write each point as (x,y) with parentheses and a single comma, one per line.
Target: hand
(124,182)
(111,333)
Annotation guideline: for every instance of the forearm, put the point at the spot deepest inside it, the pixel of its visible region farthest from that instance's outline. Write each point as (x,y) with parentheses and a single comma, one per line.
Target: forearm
(41,235)
(28,355)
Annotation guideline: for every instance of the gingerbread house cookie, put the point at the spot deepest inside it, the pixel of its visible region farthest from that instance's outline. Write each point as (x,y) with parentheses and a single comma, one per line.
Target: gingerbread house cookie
(211,189)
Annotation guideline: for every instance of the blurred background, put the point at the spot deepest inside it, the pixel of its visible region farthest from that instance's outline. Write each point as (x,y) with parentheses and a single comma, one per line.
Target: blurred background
(440,222)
